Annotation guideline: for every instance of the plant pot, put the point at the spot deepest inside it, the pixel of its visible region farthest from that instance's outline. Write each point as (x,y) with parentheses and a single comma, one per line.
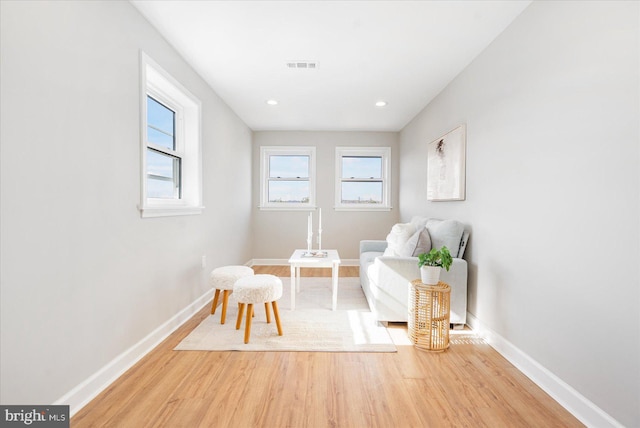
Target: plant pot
(430,275)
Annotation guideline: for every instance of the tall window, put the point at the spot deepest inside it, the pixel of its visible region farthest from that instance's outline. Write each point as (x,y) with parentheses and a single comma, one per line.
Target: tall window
(288,177)
(363,178)
(171,155)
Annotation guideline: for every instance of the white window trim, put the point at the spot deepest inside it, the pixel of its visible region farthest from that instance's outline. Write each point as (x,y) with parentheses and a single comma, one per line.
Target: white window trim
(385,154)
(265,152)
(155,81)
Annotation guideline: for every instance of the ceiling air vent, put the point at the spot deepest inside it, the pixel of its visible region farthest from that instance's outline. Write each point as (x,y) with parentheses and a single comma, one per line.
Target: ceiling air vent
(308,65)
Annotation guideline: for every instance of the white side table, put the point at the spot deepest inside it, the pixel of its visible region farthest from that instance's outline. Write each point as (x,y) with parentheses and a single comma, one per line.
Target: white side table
(298,260)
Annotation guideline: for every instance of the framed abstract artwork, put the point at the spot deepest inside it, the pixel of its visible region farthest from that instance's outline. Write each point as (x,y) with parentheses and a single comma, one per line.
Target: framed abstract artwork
(446,166)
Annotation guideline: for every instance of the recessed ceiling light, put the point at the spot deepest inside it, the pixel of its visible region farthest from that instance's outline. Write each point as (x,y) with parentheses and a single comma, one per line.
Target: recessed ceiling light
(381,103)
(272,102)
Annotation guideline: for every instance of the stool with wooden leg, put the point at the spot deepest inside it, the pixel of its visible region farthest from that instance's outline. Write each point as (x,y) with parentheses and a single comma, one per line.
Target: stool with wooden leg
(223,279)
(252,290)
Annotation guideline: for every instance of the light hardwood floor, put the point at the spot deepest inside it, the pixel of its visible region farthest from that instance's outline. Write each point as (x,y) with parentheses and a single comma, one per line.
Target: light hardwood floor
(469,385)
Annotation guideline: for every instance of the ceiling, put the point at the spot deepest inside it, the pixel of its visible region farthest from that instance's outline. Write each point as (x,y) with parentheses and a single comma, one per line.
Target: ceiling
(402,52)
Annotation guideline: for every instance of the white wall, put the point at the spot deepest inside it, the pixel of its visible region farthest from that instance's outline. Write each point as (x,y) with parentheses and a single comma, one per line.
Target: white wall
(553,190)
(83,276)
(278,233)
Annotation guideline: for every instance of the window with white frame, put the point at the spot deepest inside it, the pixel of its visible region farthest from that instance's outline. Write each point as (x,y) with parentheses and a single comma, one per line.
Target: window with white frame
(287,177)
(363,178)
(171,164)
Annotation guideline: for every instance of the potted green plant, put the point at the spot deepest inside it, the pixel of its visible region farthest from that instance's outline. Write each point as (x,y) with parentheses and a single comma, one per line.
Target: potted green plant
(430,264)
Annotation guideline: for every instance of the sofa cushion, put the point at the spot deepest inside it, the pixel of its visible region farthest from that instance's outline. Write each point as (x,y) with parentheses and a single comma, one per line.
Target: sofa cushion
(420,242)
(446,232)
(399,235)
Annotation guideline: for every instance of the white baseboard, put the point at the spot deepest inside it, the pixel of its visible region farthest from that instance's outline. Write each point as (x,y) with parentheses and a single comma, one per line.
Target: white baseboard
(579,406)
(285,262)
(82,394)
(268,262)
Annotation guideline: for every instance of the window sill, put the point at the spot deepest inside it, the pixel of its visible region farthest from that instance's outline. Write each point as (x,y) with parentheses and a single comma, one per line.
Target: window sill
(289,208)
(168,211)
(362,208)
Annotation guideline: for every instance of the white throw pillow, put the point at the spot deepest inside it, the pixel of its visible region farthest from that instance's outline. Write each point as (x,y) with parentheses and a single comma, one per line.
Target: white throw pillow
(420,242)
(399,235)
(446,232)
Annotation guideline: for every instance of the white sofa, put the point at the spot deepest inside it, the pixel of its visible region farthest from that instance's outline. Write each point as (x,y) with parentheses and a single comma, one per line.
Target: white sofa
(388,267)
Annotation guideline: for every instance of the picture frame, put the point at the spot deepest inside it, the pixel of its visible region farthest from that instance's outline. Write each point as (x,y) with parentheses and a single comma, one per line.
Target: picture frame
(446,165)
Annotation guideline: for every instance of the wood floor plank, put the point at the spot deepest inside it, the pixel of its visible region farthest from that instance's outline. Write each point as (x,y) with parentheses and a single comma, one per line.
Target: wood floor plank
(469,385)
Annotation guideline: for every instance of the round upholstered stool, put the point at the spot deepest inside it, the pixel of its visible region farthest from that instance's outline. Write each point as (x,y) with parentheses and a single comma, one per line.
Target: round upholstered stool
(256,289)
(223,279)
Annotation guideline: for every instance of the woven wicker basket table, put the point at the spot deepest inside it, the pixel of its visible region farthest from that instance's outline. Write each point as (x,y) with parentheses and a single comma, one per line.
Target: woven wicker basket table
(428,324)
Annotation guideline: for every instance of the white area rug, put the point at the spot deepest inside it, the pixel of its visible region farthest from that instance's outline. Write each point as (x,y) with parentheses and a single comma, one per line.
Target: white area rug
(313,326)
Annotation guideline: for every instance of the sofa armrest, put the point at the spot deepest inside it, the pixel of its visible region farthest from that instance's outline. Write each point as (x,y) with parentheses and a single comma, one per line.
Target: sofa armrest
(373,245)
(408,268)
(399,271)
(402,267)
